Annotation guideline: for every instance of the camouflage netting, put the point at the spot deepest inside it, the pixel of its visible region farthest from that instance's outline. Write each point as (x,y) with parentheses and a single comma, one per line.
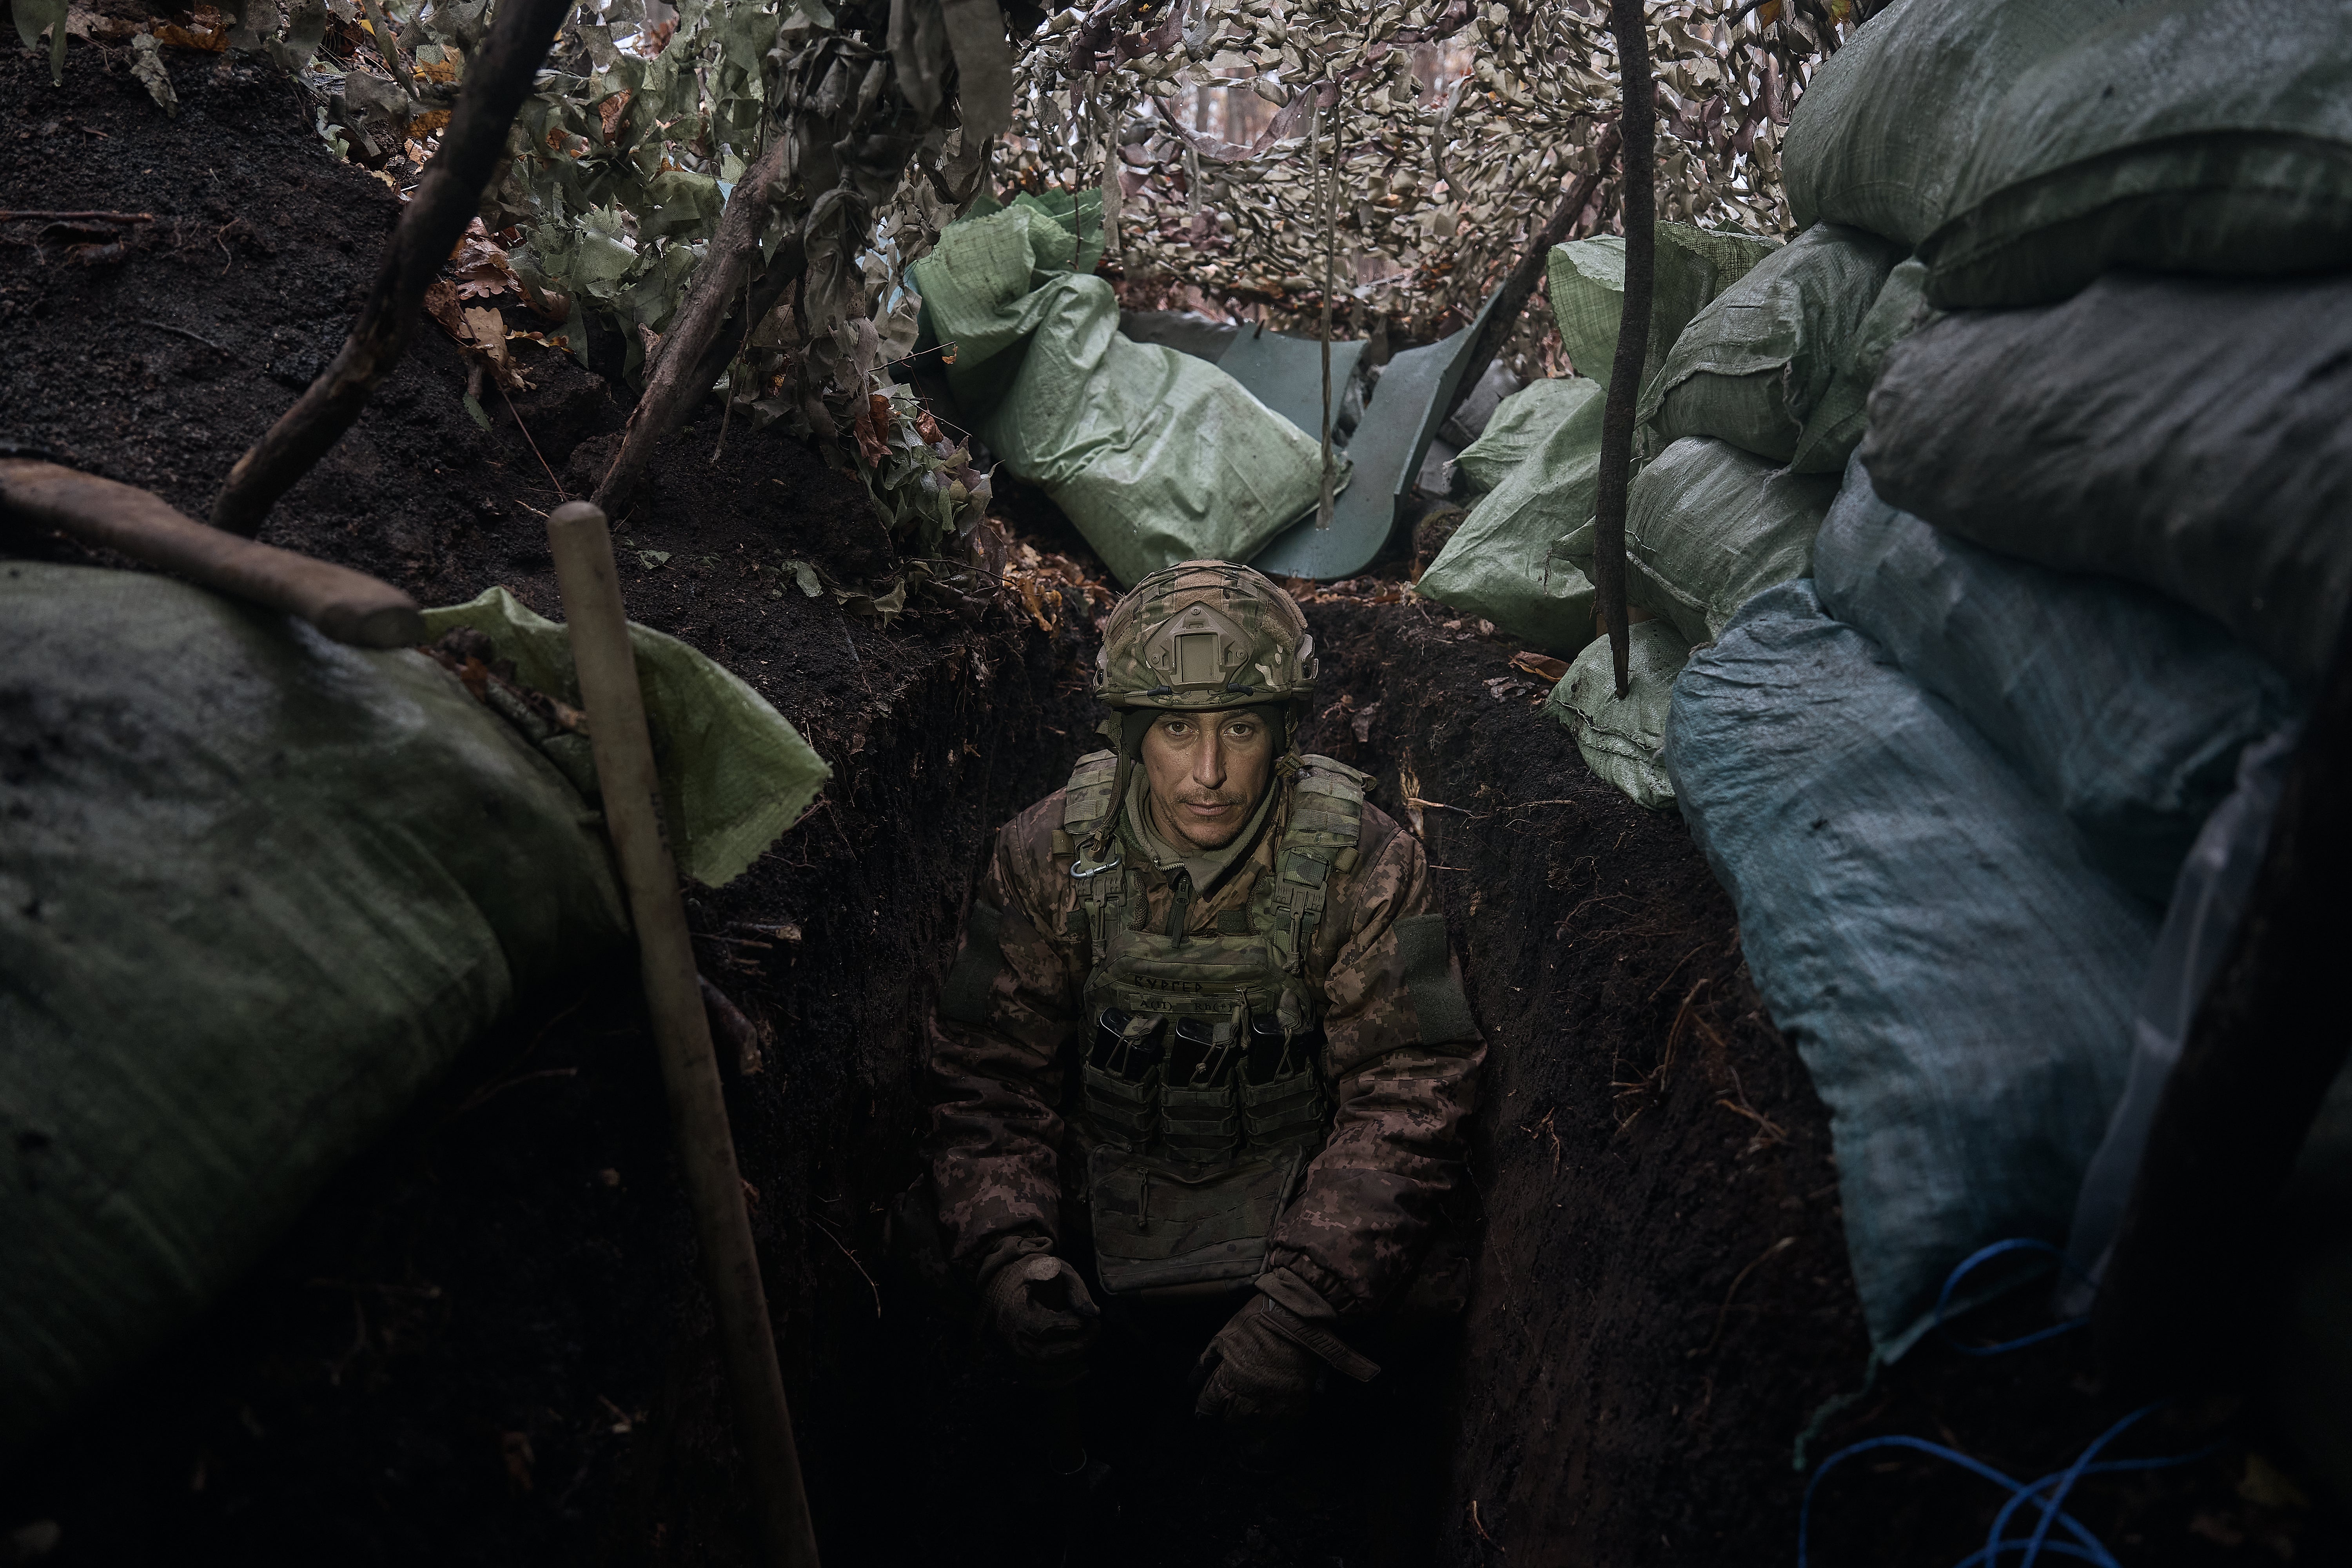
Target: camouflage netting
(1207,130)
(1212,127)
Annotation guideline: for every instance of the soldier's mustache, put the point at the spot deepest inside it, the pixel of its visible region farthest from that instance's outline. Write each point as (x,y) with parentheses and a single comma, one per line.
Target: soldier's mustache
(1216,799)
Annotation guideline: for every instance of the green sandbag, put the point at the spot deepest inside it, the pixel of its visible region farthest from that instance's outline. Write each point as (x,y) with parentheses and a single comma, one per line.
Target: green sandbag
(2210,136)
(734,775)
(1620,738)
(1539,462)
(1840,419)
(1157,457)
(1586,279)
(261,889)
(1752,367)
(1881,133)
(1707,528)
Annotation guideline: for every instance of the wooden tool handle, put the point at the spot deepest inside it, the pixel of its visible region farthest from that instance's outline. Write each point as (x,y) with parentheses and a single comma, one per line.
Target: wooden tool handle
(347,605)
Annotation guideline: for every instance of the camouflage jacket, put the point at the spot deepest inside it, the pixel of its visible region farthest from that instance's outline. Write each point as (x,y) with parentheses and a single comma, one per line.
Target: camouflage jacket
(1401,1063)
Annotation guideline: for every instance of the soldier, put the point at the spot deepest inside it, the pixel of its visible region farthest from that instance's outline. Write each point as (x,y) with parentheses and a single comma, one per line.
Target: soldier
(1205,1029)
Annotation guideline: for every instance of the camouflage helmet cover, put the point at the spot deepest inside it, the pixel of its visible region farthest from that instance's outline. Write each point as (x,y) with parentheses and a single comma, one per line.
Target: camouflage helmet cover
(1205,635)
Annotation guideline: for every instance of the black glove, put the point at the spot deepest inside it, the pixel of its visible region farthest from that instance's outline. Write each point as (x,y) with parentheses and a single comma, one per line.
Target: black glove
(1253,1377)
(1038,1311)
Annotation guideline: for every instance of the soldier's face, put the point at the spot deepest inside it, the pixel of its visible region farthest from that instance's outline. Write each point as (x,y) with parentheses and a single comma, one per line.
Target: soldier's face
(1205,771)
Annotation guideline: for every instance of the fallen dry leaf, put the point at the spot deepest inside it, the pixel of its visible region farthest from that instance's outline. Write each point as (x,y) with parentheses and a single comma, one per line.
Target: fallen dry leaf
(1542,664)
(609,114)
(199,37)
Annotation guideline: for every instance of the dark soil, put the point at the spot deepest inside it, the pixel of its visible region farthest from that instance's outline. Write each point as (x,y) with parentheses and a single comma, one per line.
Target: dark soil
(486,1343)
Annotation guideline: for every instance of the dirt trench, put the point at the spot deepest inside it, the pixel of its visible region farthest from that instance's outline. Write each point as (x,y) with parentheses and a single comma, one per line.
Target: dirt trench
(487,1344)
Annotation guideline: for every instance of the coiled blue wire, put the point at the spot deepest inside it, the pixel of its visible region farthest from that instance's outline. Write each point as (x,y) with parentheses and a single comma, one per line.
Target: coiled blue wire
(1985,1255)
(2083,1544)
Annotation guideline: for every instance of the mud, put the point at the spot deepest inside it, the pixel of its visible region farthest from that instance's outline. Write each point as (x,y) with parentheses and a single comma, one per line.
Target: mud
(486,1343)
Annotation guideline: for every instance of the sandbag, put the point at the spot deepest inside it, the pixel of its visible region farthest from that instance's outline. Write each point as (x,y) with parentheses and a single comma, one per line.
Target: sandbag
(1959,980)
(2209,136)
(1884,127)
(1586,282)
(1836,424)
(1619,737)
(734,775)
(1156,455)
(1539,462)
(261,889)
(1753,365)
(2125,710)
(1707,527)
(2187,433)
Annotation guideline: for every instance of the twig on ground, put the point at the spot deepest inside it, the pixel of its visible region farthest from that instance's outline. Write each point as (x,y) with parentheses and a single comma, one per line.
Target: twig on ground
(498,78)
(489,1091)
(531,444)
(25,214)
(184,333)
(1723,1313)
(853,1261)
(1677,968)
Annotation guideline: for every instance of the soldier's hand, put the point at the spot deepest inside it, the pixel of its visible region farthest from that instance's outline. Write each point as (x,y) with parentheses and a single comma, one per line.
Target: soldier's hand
(1254,1379)
(1039,1313)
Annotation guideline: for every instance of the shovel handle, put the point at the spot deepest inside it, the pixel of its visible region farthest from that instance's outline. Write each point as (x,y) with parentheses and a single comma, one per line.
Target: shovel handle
(606,665)
(349,607)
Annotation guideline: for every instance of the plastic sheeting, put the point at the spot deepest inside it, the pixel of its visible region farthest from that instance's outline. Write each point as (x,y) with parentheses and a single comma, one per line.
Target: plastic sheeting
(2208,902)
(1866,834)
(261,890)
(1157,457)
(1752,367)
(2210,136)
(1538,461)
(2125,710)
(2187,433)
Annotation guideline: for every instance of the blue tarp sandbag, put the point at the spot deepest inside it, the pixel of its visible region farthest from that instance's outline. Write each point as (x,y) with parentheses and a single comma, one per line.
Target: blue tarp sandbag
(1958,979)
(2124,709)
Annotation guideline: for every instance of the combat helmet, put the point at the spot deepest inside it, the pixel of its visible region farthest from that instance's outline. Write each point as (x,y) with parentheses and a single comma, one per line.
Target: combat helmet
(1205,635)
(1200,635)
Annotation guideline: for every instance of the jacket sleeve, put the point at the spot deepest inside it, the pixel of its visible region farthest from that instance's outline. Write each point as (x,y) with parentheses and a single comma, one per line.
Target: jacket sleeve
(1402,1056)
(1005,1011)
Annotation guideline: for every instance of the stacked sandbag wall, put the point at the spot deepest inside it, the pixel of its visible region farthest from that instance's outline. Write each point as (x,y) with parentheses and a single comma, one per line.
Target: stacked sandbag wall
(2087,557)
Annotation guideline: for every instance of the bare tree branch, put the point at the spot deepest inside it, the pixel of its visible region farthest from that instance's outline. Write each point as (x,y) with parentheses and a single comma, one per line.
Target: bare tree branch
(1638,192)
(681,373)
(498,80)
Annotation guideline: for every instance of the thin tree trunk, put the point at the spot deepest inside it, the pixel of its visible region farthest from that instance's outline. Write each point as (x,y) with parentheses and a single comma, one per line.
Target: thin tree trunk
(684,368)
(498,80)
(1637,120)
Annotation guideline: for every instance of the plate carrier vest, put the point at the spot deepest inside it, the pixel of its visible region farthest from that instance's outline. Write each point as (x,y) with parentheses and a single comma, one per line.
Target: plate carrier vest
(1200,1093)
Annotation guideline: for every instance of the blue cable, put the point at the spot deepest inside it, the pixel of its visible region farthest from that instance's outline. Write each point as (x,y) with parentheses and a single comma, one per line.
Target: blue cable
(1984,1255)
(2091,1550)
(2086,1546)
